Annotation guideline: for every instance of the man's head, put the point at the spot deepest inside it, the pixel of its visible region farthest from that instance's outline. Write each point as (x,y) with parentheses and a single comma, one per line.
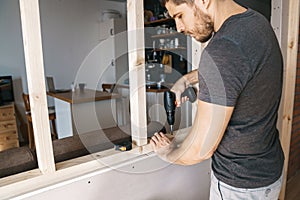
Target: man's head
(177,2)
(191,18)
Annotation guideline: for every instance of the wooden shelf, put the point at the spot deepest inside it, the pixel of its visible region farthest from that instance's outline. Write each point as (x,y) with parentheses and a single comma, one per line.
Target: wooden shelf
(149,88)
(170,49)
(159,21)
(86,96)
(167,35)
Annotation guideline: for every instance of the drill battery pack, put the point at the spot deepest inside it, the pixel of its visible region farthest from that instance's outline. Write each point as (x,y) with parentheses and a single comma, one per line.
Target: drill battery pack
(123,146)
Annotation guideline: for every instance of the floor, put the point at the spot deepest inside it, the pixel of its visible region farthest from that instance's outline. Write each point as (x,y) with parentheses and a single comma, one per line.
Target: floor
(293,188)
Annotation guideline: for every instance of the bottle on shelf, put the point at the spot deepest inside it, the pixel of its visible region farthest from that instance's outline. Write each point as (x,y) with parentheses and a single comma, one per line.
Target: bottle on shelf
(182,64)
(154,56)
(176,42)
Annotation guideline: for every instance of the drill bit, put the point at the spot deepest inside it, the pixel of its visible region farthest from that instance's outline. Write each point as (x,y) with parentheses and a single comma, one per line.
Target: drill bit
(171,129)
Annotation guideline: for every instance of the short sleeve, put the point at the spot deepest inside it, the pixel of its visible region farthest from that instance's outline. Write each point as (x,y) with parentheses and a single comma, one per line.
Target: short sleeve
(223,72)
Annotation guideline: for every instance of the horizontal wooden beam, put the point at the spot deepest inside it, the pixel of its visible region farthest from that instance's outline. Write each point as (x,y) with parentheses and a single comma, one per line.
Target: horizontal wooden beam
(32,182)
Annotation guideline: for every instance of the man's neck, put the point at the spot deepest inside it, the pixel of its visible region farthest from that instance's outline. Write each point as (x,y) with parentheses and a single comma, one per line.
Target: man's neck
(222,10)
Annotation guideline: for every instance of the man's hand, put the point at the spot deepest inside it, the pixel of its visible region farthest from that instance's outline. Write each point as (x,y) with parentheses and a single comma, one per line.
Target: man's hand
(178,88)
(159,141)
(181,84)
(161,145)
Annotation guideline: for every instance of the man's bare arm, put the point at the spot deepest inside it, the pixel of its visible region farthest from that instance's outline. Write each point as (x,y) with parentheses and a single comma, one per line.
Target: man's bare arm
(202,140)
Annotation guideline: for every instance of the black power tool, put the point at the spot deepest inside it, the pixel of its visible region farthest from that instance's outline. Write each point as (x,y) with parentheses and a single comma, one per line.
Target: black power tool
(170,103)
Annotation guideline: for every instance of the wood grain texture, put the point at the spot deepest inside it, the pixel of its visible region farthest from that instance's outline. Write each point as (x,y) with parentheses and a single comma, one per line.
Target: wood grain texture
(136,58)
(30,20)
(287,102)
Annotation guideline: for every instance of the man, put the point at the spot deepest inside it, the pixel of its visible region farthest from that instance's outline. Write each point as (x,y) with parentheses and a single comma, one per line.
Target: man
(262,6)
(240,83)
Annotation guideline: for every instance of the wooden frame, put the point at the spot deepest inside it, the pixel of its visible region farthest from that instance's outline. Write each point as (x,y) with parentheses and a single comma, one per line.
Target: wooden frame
(136,58)
(69,171)
(289,45)
(32,39)
(47,175)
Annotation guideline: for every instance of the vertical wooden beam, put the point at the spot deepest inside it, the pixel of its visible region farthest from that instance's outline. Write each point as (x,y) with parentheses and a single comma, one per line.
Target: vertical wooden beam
(136,58)
(290,50)
(30,19)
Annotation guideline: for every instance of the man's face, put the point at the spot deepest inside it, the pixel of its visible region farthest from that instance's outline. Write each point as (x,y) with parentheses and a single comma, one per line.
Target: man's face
(191,20)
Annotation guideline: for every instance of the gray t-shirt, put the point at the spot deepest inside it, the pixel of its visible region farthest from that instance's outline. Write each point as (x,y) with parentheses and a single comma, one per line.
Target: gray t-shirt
(242,67)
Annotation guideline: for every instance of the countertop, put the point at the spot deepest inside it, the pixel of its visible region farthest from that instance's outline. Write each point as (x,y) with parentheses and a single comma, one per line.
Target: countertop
(87,95)
(149,88)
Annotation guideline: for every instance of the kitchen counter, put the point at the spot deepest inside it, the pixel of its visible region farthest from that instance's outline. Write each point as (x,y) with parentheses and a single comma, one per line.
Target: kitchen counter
(84,111)
(149,88)
(87,95)
(155,105)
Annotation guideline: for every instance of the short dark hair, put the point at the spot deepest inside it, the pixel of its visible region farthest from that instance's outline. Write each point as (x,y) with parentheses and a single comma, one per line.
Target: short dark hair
(177,2)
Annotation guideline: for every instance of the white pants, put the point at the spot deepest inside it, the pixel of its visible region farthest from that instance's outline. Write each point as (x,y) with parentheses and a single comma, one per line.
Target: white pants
(223,191)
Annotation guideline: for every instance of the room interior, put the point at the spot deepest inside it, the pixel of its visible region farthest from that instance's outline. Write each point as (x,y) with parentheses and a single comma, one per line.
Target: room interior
(74,42)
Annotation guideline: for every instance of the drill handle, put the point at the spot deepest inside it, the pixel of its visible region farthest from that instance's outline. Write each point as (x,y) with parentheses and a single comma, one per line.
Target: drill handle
(169,101)
(170,106)
(190,92)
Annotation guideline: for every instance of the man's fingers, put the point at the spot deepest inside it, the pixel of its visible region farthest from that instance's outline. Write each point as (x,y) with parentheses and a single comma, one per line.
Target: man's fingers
(159,140)
(153,145)
(164,138)
(155,139)
(178,97)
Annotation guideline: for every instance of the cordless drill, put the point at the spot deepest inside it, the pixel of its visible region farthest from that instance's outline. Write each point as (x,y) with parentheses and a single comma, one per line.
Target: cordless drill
(170,103)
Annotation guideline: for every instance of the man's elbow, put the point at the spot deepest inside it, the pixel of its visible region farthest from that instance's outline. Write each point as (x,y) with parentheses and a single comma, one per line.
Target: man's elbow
(208,155)
(194,159)
(202,157)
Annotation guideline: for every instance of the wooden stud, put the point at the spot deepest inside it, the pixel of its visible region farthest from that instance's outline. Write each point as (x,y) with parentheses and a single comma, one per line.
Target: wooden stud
(34,63)
(290,50)
(30,19)
(29,183)
(136,59)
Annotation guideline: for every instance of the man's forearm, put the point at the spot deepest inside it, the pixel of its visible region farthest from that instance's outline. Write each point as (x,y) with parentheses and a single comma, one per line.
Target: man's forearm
(191,78)
(172,154)
(180,152)
(179,156)
(176,157)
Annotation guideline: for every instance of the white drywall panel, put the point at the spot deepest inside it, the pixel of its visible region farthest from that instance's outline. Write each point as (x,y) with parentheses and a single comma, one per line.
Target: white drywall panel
(147,179)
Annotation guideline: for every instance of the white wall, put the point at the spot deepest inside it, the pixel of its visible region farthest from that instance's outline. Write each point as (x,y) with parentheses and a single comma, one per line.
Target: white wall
(11,47)
(70,30)
(146,179)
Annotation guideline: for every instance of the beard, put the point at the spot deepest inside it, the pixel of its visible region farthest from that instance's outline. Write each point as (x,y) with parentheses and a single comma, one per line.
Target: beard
(203,27)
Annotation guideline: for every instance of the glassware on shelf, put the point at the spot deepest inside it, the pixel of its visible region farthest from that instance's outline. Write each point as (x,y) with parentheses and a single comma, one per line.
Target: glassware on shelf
(161,43)
(176,42)
(162,78)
